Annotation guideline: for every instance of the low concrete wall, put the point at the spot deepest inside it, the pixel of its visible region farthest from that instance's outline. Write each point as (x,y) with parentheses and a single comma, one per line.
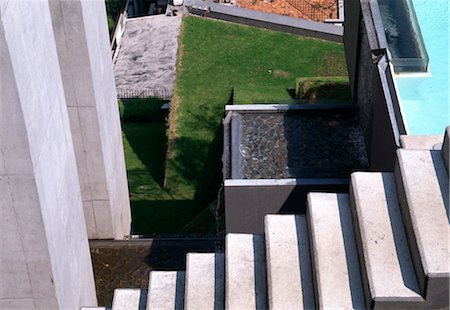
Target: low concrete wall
(248,201)
(266,20)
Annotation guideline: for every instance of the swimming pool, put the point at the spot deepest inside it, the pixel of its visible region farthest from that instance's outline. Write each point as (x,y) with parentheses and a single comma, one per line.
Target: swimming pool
(424,97)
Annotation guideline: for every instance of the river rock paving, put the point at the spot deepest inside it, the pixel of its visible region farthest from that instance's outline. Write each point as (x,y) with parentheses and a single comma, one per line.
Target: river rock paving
(306,144)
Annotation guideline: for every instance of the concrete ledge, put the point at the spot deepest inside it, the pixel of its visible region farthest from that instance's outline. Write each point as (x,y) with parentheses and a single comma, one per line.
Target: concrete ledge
(433,142)
(287,107)
(284,182)
(267,20)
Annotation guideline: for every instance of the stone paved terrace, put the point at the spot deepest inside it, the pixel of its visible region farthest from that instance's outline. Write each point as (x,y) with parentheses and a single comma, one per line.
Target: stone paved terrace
(293,8)
(148,54)
(297,144)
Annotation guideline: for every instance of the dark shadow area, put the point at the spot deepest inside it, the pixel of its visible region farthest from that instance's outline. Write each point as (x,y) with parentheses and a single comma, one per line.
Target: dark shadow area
(291,92)
(127,264)
(398,231)
(442,177)
(219,281)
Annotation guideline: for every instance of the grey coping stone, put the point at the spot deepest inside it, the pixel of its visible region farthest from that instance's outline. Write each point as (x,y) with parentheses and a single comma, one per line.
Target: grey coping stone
(297,144)
(204,288)
(245,277)
(289,273)
(166,290)
(446,147)
(148,54)
(378,219)
(334,252)
(428,142)
(425,186)
(129,299)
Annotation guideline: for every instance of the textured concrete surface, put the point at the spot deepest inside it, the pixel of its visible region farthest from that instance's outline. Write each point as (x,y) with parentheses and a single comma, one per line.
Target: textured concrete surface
(81,36)
(166,290)
(129,299)
(423,187)
(334,255)
(44,253)
(289,270)
(205,281)
(382,240)
(245,278)
(148,53)
(421,142)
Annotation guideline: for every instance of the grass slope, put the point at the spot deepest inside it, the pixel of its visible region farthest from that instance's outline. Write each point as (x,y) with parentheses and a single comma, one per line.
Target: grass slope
(215,58)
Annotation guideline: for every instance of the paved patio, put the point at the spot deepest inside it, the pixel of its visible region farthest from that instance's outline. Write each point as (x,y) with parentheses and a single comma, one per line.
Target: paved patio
(148,53)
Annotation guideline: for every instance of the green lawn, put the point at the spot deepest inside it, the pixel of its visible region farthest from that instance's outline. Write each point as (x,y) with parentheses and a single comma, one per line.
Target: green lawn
(216,59)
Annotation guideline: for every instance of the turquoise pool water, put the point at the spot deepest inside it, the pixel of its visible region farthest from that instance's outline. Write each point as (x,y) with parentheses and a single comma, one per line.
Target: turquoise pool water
(425,99)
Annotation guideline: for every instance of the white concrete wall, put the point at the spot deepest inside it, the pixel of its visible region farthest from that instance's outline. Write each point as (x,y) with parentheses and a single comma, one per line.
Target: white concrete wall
(82,40)
(44,253)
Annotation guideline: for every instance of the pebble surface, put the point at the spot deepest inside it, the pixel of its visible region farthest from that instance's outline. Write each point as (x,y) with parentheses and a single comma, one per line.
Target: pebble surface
(307,144)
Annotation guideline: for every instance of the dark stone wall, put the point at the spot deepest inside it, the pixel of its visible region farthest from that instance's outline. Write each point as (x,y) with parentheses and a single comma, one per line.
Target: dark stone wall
(246,206)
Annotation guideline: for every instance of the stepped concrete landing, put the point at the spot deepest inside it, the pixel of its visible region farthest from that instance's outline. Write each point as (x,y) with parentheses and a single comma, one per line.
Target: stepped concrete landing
(388,273)
(129,299)
(431,142)
(446,147)
(245,279)
(165,290)
(289,273)
(204,288)
(334,252)
(423,188)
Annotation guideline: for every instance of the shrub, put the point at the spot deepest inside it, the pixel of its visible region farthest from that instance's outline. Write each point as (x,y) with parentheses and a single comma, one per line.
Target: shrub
(325,87)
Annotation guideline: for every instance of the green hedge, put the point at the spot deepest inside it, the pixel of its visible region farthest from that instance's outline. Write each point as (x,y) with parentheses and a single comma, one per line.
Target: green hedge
(325,87)
(142,110)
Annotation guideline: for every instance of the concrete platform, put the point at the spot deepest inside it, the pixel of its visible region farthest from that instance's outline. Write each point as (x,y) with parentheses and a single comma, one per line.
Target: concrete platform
(245,278)
(389,273)
(148,54)
(289,273)
(334,252)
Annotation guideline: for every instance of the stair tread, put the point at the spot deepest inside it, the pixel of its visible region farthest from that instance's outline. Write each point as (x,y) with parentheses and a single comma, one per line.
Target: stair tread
(425,183)
(335,257)
(129,299)
(389,267)
(289,269)
(204,287)
(166,290)
(245,277)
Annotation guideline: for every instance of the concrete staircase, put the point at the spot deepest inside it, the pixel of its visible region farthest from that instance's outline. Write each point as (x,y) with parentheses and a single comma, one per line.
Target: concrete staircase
(385,245)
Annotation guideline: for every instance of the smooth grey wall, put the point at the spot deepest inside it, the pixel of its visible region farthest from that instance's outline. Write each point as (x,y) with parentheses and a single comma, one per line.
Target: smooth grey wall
(82,41)
(248,203)
(44,253)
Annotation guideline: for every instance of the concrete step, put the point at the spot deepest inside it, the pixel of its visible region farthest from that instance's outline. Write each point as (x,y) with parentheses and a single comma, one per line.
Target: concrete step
(446,147)
(388,274)
(245,278)
(423,188)
(334,252)
(165,290)
(428,142)
(129,299)
(289,273)
(204,288)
